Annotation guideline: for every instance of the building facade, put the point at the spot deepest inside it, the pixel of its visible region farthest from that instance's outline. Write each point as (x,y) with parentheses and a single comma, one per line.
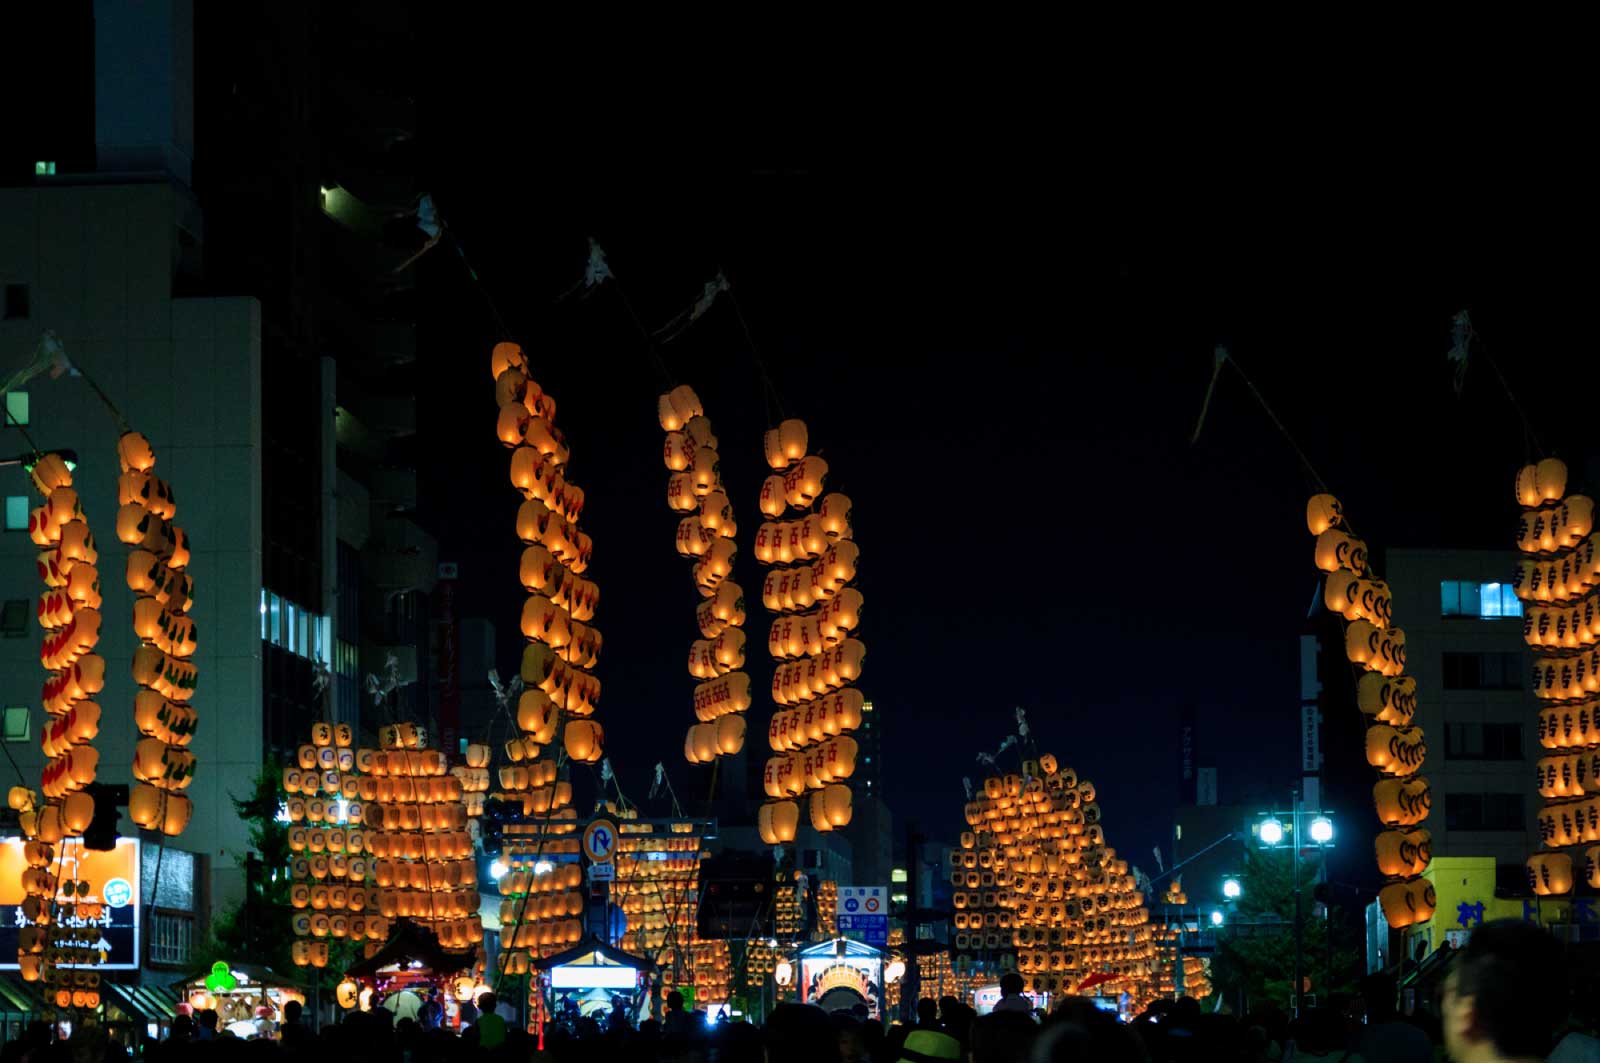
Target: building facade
(1464,645)
(227,256)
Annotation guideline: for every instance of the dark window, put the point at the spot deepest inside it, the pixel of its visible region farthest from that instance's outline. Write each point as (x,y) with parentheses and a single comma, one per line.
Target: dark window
(14,618)
(1501,812)
(16,301)
(1483,741)
(1483,671)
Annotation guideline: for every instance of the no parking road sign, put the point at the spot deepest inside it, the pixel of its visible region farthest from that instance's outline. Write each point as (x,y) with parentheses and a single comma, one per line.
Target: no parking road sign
(864,914)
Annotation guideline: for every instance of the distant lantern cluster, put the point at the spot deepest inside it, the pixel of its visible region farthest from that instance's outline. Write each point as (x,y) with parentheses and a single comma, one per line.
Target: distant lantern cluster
(328,862)
(157,573)
(812,639)
(1038,890)
(657,886)
(706,538)
(1558,580)
(1387,698)
(562,646)
(416,822)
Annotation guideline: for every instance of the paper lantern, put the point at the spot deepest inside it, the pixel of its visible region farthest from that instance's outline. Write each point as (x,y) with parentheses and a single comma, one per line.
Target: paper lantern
(1550,874)
(677,407)
(77,809)
(730,732)
(832,805)
(803,482)
(785,444)
(583,740)
(1323,512)
(1403,853)
(778,821)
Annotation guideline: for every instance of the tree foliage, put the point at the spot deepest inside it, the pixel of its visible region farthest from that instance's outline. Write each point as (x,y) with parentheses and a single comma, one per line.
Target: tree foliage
(1255,948)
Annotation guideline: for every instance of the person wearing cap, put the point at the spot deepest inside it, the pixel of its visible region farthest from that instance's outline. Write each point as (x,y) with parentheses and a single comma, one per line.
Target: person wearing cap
(929,1046)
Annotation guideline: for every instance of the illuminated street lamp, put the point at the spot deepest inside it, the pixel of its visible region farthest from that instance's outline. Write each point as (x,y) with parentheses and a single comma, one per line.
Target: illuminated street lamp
(1271,831)
(1231,889)
(1322,830)
(1216,917)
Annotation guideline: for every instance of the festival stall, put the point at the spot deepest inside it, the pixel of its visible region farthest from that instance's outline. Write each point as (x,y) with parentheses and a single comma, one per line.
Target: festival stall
(592,979)
(242,994)
(839,974)
(410,968)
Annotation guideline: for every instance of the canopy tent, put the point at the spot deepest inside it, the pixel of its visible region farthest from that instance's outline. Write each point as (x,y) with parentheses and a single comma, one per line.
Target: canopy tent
(592,952)
(413,942)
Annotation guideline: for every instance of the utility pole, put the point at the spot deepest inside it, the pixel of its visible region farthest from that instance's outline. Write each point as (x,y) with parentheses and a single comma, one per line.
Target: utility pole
(1299,924)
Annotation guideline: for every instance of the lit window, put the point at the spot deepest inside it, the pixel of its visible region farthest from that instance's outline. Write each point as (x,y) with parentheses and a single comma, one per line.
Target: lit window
(17,513)
(17,723)
(1487,601)
(44,168)
(16,407)
(897,875)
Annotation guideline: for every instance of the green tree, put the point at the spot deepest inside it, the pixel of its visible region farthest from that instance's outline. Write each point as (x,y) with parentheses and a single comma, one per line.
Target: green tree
(1254,960)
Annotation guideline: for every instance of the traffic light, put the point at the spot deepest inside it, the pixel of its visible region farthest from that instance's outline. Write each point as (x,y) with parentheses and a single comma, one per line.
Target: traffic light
(101,833)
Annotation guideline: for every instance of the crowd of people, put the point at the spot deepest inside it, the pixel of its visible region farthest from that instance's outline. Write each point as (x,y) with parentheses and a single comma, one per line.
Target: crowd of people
(1504,1001)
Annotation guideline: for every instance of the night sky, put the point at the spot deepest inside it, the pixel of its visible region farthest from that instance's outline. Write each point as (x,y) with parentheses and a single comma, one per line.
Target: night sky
(1002,355)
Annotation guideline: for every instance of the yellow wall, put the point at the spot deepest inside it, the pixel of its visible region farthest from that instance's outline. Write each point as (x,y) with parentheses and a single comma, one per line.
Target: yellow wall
(1469,880)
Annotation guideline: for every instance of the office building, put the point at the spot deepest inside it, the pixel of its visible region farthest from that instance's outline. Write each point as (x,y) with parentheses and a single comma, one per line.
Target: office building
(228,259)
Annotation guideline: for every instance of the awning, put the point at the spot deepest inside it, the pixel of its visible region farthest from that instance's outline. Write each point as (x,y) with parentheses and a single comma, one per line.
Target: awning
(17,997)
(592,952)
(150,1003)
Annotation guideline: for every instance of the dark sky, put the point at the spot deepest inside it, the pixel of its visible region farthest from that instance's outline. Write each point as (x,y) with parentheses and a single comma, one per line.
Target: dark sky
(1001,351)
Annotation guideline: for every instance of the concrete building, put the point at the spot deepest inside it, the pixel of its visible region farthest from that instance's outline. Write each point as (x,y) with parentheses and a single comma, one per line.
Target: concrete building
(228,259)
(1464,644)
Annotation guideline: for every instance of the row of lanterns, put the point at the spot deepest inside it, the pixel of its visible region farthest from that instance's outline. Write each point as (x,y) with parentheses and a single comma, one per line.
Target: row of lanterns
(1386,697)
(1559,582)
(1039,891)
(705,537)
(818,661)
(158,557)
(69,613)
(562,647)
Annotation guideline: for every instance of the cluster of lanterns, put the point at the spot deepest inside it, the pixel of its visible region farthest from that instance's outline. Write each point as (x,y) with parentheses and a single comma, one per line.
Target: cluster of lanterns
(812,639)
(50,947)
(562,647)
(827,906)
(417,831)
(705,538)
(657,886)
(541,913)
(1386,697)
(328,863)
(69,613)
(712,972)
(1037,886)
(788,908)
(760,963)
(1559,580)
(163,590)
(474,779)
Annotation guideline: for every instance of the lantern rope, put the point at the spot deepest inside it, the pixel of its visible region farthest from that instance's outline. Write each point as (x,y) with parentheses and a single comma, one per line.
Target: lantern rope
(1222,357)
(774,400)
(1469,342)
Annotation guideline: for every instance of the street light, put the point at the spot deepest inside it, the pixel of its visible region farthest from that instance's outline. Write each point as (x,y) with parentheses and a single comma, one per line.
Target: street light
(1322,830)
(1216,917)
(498,869)
(1231,889)
(1271,831)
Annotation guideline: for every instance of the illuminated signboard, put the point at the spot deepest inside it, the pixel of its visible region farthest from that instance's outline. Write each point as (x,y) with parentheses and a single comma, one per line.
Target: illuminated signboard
(571,976)
(113,880)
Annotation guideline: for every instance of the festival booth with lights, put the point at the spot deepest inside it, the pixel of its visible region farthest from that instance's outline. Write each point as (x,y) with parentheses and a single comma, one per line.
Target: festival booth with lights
(412,960)
(240,993)
(592,978)
(839,974)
